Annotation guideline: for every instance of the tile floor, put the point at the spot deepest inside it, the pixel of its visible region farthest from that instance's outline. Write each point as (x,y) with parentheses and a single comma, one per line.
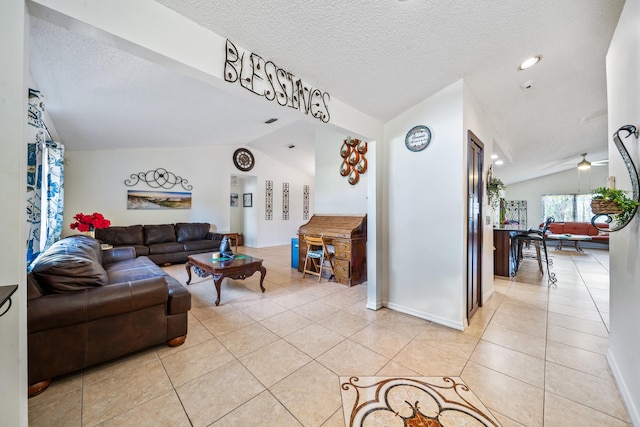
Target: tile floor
(533,355)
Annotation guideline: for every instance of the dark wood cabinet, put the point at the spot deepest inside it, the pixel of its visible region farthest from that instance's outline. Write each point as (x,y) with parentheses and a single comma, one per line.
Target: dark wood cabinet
(348,236)
(503,259)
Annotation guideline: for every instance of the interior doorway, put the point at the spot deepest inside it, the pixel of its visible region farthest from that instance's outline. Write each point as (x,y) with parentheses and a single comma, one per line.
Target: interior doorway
(243,216)
(475,149)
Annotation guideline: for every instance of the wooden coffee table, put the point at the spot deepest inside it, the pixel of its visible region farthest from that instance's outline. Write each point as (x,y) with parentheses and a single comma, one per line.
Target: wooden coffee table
(241,267)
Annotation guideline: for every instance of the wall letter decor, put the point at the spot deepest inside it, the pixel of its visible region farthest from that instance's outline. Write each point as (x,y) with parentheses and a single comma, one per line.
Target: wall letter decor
(264,78)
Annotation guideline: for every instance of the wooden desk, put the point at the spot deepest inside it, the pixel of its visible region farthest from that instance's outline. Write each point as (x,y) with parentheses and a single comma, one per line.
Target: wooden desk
(348,235)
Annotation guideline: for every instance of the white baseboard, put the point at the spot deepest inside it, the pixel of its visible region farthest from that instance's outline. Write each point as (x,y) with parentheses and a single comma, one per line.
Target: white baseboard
(624,391)
(426,316)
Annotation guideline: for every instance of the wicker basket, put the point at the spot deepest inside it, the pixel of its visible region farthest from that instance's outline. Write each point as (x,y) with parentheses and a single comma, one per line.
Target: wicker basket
(601,206)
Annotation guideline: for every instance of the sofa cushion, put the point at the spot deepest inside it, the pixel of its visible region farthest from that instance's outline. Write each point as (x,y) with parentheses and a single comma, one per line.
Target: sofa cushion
(555,227)
(576,228)
(121,236)
(166,248)
(188,231)
(159,234)
(204,245)
(133,269)
(70,264)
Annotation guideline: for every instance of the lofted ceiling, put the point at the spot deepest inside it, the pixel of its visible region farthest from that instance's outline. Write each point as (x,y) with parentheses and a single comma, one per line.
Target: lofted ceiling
(379,57)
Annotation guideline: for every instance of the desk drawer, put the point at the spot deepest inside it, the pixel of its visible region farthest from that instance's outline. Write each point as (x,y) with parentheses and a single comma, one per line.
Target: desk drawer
(341,268)
(342,246)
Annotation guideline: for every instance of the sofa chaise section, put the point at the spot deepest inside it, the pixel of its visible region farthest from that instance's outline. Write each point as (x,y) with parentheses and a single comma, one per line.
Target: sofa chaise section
(87,306)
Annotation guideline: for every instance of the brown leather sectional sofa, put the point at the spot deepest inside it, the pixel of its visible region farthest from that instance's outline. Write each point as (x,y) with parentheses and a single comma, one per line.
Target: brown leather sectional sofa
(87,306)
(163,243)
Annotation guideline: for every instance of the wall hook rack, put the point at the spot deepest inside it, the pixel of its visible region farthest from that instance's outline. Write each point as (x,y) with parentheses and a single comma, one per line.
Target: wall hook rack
(633,175)
(158,178)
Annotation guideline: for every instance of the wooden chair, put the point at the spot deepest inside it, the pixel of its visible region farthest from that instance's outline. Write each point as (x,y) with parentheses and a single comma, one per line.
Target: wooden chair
(317,254)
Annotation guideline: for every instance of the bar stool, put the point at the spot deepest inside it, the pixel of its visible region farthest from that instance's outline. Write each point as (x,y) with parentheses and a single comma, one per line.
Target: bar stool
(537,238)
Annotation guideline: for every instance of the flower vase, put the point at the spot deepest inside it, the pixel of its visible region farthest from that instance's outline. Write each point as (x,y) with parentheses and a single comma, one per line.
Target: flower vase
(90,233)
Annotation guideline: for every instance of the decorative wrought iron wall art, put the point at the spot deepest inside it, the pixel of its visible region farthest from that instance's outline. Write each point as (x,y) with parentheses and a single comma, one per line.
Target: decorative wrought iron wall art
(354,162)
(633,175)
(285,201)
(268,201)
(158,178)
(305,202)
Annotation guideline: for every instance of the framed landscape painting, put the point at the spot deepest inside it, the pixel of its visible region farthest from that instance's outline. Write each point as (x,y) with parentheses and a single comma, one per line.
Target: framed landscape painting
(158,200)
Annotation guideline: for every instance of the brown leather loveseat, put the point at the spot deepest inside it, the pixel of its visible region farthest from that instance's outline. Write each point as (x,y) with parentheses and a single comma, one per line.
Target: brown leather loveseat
(163,243)
(87,306)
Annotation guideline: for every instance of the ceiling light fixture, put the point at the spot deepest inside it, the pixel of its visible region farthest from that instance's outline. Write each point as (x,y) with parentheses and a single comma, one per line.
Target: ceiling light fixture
(530,62)
(498,162)
(584,163)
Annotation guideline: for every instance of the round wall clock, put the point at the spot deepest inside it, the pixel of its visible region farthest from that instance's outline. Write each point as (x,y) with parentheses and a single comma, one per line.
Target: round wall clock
(418,138)
(243,159)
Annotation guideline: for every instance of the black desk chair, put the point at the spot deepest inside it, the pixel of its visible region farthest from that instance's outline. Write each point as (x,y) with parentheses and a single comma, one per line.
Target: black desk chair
(535,237)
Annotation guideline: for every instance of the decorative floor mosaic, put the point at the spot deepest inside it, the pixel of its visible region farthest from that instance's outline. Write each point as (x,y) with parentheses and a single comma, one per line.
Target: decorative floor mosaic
(412,402)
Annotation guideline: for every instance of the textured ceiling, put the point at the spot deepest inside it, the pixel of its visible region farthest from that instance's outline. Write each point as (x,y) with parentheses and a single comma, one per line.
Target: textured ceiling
(379,57)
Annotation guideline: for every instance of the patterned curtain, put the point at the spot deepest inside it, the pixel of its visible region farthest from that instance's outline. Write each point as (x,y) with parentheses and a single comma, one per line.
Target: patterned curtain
(45,175)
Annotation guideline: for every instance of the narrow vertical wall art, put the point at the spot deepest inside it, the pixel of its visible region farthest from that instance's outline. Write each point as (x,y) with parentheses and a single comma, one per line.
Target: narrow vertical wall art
(268,200)
(305,202)
(285,201)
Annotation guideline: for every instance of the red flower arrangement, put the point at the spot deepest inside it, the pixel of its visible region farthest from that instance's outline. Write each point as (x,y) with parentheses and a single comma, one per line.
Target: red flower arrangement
(89,222)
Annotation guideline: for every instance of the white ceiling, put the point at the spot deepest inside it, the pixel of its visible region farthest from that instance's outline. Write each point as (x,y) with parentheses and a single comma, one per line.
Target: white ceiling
(379,57)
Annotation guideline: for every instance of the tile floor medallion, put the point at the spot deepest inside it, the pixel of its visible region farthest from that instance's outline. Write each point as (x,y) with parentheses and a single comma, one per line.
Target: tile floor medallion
(412,402)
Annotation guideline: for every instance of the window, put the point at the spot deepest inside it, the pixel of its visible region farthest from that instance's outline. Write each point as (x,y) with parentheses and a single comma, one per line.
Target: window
(567,207)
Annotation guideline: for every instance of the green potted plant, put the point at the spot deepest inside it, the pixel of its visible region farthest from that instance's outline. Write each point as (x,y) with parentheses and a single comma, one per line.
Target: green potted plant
(613,202)
(494,187)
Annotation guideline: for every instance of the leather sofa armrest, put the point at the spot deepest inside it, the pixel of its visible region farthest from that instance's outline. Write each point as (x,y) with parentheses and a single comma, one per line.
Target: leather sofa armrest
(109,256)
(57,310)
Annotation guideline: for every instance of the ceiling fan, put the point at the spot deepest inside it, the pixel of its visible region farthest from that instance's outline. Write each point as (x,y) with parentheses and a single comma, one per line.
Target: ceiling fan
(584,164)
(570,162)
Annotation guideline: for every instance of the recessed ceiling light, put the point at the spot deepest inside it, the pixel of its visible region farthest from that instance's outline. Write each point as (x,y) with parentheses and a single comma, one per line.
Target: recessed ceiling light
(271,121)
(530,62)
(494,156)
(499,162)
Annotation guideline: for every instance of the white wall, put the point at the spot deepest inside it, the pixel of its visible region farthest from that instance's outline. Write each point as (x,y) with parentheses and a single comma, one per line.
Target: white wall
(623,88)
(334,194)
(13,114)
(426,221)
(567,182)
(476,120)
(94,182)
